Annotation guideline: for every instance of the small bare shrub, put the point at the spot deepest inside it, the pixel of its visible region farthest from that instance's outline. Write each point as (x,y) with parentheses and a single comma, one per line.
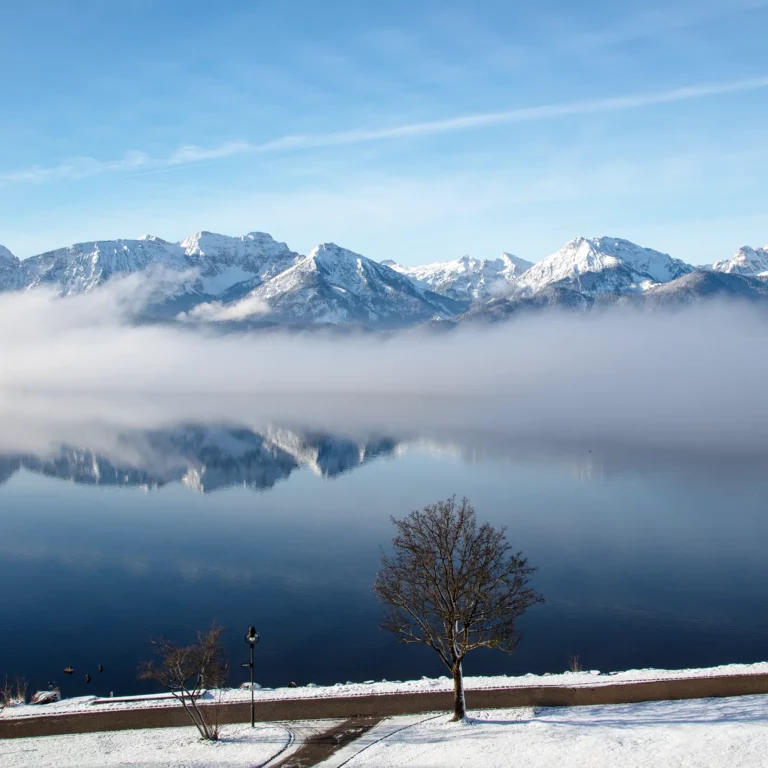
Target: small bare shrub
(13,693)
(187,671)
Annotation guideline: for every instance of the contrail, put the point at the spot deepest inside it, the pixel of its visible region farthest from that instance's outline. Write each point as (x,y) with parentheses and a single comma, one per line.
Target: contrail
(140,162)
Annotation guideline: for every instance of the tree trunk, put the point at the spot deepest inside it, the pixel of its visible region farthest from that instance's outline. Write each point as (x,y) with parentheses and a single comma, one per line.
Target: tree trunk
(459,704)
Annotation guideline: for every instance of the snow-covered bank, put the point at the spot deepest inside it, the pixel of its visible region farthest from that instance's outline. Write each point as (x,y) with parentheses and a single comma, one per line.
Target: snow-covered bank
(568,679)
(706,733)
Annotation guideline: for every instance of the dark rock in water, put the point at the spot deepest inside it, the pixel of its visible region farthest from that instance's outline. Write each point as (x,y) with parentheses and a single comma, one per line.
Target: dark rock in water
(46,697)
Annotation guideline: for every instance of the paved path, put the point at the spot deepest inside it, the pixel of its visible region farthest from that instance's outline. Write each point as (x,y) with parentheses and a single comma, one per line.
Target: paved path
(318,747)
(387,705)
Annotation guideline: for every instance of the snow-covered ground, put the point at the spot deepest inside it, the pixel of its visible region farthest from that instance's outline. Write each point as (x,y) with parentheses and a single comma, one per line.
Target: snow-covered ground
(370,687)
(716,733)
(160,746)
(240,745)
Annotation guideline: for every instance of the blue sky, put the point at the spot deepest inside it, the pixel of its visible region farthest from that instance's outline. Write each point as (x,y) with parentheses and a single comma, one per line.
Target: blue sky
(412,130)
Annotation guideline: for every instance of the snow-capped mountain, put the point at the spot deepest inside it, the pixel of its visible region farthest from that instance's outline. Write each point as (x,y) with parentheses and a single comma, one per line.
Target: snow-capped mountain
(585,271)
(238,280)
(85,266)
(467,279)
(225,262)
(217,263)
(750,262)
(601,265)
(336,286)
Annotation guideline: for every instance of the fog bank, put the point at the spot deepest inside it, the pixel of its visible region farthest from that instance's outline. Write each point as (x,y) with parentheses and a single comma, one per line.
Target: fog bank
(692,379)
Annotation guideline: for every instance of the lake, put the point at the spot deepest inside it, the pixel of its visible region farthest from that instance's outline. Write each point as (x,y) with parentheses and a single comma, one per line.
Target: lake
(645,557)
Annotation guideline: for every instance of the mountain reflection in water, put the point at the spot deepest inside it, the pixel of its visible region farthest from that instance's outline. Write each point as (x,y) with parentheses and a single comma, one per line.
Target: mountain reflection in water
(206,457)
(202,457)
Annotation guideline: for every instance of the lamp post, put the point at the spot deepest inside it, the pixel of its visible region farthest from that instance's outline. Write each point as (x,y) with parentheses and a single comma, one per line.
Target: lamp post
(252,637)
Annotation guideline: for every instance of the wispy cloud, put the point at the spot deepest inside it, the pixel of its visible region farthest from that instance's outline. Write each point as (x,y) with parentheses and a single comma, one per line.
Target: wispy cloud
(79,167)
(191,154)
(655,21)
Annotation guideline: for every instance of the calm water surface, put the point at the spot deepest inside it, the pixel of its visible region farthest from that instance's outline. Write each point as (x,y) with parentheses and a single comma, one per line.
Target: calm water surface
(643,562)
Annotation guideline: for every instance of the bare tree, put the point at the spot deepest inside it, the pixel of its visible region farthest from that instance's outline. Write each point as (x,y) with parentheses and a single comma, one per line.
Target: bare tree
(453,585)
(187,671)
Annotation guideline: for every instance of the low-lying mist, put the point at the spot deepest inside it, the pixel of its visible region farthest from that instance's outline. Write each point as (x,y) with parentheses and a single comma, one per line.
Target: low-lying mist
(690,380)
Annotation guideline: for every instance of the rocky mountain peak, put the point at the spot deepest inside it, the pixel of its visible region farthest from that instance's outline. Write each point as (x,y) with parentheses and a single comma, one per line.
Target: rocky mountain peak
(625,267)
(747,261)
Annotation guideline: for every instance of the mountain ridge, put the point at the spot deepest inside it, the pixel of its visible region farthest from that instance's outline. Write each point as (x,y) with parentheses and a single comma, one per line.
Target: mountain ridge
(253,280)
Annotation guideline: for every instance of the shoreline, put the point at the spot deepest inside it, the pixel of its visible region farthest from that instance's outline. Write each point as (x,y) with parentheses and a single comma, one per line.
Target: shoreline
(386,699)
